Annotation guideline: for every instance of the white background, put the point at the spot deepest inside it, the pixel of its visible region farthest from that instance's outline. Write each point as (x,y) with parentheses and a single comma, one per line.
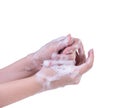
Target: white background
(26,25)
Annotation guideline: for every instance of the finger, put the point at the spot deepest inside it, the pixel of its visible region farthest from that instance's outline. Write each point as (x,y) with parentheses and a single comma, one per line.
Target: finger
(73,47)
(87,65)
(63,56)
(48,63)
(80,53)
(64,43)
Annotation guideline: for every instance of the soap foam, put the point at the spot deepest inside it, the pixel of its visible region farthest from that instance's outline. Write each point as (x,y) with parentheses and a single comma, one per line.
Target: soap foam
(48,63)
(63,70)
(68,62)
(54,55)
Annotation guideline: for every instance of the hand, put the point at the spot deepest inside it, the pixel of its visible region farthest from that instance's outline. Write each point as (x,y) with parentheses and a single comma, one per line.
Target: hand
(57,74)
(77,46)
(61,47)
(50,50)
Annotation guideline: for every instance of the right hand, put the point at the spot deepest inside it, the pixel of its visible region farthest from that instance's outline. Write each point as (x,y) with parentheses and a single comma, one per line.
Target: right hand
(57,74)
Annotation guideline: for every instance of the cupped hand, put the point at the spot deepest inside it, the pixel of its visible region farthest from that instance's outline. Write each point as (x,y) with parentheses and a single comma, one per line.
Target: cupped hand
(57,73)
(50,50)
(78,48)
(61,47)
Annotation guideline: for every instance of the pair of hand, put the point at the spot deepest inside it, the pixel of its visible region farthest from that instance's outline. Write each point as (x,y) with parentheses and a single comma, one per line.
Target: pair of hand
(62,62)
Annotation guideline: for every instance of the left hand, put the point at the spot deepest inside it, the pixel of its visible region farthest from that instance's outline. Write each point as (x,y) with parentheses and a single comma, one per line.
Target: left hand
(50,49)
(60,47)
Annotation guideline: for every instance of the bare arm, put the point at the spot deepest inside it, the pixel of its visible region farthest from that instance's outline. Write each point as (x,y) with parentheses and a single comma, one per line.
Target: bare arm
(30,64)
(49,77)
(16,90)
(18,70)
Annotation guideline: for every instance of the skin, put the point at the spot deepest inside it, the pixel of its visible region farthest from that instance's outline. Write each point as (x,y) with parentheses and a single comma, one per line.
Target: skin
(23,88)
(72,77)
(22,83)
(14,91)
(32,63)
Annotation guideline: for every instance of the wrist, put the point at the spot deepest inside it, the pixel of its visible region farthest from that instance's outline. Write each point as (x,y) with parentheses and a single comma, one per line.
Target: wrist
(33,63)
(40,82)
(32,85)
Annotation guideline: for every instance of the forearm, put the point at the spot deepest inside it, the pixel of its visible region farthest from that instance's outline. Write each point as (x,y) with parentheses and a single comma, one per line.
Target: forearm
(21,69)
(16,90)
